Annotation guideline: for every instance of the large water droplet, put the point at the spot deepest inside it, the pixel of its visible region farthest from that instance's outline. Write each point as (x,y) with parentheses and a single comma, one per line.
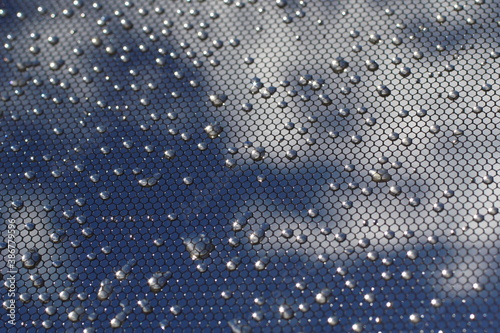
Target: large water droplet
(199,247)
(31,258)
(159,280)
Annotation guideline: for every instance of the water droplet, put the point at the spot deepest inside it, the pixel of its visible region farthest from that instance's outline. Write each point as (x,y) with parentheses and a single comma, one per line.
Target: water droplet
(158,281)
(199,247)
(213,130)
(338,65)
(357,327)
(170,154)
(380,176)
(258,154)
(125,270)
(77,314)
(31,258)
(262,263)
(371,65)
(105,290)
(145,306)
(383,91)
(17,204)
(286,312)
(488,179)
(447,273)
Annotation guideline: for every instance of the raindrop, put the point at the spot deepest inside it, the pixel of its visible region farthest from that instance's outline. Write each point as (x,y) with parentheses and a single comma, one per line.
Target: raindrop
(383,91)
(125,270)
(262,263)
(380,176)
(338,65)
(199,247)
(286,312)
(145,306)
(447,273)
(105,290)
(371,65)
(158,281)
(258,154)
(213,130)
(218,100)
(31,258)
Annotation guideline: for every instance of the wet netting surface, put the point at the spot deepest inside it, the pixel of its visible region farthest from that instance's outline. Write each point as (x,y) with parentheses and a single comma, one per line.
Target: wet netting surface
(248,166)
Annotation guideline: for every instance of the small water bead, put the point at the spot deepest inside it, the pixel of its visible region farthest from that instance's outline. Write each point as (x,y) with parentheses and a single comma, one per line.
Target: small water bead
(351,284)
(199,247)
(257,236)
(125,270)
(478,287)
(488,179)
(31,258)
(372,255)
(380,176)
(412,254)
(435,129)
(323,296)
(158,281)
(107,249)
(105,290)
(407,275)
(262,263)
(291,154)
(287,233)
(218,99)
(357,327)
(448,193)
(286,312)
(118,320)
(226,294)
(364,243)
(492,210)
(409,233)
(145,306)
(213,130)
(233,263)
(58,236)
(453,95)
(406,142)
(17,204)
(446,273)
(105,195)
(342,271)
(389,234)
(438,207)
(83,296)
(29,175)
(323,257)
(304,307)
(415,318)
(371,65)
(258,154)
(338,65)
(231,163)
(77,314)
(303,130)
(51,310)
(478,217)
(414,201)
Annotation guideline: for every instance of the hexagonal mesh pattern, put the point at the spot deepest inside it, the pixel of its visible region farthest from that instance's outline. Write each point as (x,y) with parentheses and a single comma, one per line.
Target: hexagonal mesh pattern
(250,165)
